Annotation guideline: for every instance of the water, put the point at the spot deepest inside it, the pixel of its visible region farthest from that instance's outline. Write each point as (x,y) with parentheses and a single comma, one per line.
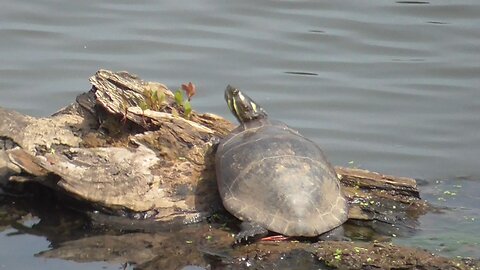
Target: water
(391,86)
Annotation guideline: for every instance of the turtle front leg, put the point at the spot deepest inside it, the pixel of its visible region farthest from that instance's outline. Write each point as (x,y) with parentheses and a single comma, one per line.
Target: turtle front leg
(250,231)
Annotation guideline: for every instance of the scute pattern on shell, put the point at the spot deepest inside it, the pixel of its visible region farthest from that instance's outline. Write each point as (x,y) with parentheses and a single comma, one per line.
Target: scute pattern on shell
(270,174)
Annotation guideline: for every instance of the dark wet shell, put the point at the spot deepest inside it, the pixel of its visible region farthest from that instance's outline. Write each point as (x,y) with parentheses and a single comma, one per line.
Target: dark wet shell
(270,174)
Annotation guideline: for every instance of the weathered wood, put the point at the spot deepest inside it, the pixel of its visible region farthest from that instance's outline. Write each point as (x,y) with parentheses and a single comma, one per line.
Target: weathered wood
(383,198)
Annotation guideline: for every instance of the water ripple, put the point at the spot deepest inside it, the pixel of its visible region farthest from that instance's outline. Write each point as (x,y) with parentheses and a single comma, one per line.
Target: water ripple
(392,86)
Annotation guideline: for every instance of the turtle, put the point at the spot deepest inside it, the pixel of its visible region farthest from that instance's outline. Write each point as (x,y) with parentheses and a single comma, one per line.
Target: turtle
(274,179)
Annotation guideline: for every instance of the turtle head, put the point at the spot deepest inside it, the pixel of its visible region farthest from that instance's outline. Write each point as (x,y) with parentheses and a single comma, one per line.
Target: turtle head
(242,106)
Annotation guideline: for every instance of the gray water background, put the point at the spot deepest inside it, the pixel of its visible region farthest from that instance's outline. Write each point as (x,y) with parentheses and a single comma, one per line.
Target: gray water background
(387,86)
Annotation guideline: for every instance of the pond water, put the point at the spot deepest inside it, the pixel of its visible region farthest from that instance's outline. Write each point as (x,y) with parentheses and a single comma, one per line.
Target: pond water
(389,86)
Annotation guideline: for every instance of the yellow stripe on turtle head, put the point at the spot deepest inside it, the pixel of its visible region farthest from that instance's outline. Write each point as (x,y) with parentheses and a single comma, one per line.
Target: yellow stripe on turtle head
(241,96)
(254,106)
(229,104)
(235,106)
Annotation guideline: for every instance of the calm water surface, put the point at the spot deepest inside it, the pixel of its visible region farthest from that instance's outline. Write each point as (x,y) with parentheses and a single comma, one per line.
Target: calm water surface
(388,86)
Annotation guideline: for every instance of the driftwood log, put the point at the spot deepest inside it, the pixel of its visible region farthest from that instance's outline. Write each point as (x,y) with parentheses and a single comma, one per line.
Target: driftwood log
(128,148)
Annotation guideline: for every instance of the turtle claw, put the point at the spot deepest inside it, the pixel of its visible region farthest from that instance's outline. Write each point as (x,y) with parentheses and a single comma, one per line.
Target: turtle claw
(250,232)
(241,237)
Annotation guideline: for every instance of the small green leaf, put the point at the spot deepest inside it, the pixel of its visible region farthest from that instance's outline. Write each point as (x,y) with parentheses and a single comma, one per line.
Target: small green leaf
(160,97)
(154,96)
(179,97)
(338,254)
(143,105)
(188,108)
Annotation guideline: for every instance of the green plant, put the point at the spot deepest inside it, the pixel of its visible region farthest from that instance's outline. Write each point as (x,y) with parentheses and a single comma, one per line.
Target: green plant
(154,100)
(185,104)
(338,254)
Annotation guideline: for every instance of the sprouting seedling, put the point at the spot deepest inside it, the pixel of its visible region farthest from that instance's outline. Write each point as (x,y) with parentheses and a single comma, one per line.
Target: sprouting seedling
(143,105)
(185,104)
(158,99)
(188,108)
(179,98)
(154,100)
(161,97)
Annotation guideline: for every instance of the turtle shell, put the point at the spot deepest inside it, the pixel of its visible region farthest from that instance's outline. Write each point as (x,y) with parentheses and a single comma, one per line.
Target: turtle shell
(269,174)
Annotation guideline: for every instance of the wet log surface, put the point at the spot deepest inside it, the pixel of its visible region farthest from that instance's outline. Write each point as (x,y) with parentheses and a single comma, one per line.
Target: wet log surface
(127,148)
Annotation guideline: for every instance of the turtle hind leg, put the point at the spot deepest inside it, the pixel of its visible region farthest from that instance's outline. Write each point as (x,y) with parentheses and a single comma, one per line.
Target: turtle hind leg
(250,231)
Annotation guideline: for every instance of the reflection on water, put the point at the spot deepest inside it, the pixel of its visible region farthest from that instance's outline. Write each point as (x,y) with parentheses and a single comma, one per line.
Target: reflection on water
(28,227)
(390,86)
